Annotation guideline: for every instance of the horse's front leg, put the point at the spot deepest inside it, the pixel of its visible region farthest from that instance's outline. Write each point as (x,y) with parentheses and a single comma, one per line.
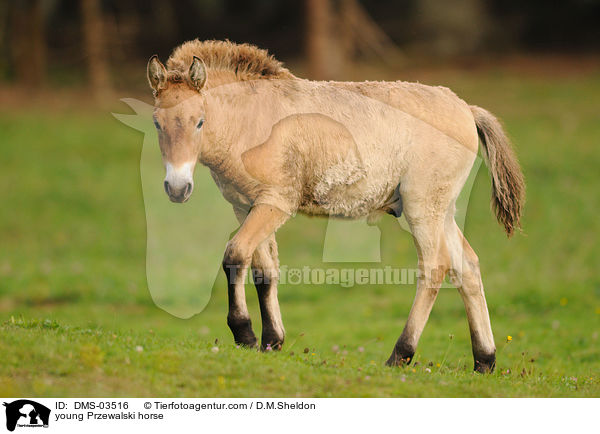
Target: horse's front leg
(235,265)
(261,222)
(265,271)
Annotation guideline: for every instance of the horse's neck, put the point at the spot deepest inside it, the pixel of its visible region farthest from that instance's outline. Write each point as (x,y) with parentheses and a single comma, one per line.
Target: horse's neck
(236,112)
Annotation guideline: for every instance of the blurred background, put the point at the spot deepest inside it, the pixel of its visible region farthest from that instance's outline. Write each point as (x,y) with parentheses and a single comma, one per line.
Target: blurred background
(105,43)
(76,315)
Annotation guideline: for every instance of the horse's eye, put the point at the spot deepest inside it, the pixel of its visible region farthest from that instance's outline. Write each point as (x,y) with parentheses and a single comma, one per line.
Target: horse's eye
(200,123)
(156,124)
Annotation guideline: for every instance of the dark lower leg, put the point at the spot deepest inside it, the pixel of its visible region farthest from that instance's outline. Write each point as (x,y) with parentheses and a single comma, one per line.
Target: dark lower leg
(265,269)
(484,363)
(272,329)
(402,354)
(238,318)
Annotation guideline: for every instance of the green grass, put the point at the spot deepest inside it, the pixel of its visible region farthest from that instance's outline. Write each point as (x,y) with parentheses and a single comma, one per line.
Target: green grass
(77,318)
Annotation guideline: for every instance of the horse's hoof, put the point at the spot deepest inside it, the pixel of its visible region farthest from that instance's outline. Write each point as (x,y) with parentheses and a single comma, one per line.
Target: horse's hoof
(247,341)
(485,364)
(397,359)
(271,341)
(271,345)
(242,332)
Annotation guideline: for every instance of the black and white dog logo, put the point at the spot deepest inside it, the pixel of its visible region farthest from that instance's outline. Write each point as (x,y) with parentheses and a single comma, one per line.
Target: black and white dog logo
(26,413)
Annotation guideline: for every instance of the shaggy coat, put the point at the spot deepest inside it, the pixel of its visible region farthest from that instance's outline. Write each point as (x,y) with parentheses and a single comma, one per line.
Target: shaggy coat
(277,144)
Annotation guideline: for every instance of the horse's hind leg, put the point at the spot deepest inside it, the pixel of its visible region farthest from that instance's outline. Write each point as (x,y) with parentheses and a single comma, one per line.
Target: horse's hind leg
(466,276)
(428,233)
(261,222)
(265,271)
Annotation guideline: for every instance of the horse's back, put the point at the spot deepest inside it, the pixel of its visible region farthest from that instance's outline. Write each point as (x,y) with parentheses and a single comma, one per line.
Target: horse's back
(437,106)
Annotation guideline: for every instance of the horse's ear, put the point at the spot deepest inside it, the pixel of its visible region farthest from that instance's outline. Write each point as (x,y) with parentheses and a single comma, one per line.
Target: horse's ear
(157,74)
(197,73)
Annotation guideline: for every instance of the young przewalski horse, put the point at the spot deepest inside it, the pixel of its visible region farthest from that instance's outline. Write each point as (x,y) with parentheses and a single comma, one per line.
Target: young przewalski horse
(277,145)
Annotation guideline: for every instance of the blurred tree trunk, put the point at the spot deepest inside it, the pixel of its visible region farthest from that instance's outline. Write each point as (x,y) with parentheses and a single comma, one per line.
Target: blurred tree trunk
(360,34)
(28,42)
(335,36)
(319,23)
(452,27)
(95,47)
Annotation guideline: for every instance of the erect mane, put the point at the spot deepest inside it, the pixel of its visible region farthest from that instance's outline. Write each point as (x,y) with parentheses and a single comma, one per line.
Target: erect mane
(247,61)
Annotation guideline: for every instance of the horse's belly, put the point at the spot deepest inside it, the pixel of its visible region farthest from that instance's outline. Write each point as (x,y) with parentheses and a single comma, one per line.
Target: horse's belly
(346,195)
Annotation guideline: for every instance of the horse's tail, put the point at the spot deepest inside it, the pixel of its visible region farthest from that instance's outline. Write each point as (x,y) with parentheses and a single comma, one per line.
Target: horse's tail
(508,186)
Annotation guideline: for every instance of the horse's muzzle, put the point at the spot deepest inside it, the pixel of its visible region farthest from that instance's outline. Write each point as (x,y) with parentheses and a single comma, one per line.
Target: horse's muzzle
(179,193)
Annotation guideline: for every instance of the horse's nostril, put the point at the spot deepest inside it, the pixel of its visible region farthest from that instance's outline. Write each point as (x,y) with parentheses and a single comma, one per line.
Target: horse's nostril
(166,184)
(188,189)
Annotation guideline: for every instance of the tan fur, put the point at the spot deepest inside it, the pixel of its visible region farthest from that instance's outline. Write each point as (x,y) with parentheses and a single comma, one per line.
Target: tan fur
(277,145)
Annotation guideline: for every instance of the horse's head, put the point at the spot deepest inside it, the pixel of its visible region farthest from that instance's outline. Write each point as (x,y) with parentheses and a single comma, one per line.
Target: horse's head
(178,117)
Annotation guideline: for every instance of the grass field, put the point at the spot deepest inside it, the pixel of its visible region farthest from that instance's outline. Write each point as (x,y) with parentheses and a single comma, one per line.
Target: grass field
(77,318)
